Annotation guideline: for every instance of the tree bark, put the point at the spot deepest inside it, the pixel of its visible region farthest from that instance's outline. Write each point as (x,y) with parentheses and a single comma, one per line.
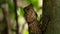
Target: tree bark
(52,8)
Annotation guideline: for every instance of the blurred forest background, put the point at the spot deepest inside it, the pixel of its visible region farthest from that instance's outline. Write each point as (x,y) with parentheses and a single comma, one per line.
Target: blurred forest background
(12,15)
(8,15)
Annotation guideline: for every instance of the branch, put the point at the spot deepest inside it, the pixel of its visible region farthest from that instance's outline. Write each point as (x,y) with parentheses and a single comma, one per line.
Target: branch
(16,17)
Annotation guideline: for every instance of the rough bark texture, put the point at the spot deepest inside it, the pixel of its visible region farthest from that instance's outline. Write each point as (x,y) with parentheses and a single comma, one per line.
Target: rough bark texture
(52,7)
(33,25)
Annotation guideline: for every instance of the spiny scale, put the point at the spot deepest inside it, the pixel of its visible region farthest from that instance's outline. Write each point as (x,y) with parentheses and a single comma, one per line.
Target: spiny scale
(30,17)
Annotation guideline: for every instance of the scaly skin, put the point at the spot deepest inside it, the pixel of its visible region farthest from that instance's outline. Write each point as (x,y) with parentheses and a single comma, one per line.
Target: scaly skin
(30,16)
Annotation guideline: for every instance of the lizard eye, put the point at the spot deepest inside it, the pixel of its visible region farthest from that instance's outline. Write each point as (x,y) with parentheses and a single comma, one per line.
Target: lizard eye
(27,9)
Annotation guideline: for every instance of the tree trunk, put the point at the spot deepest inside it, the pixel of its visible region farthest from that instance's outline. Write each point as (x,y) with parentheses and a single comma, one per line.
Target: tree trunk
(7,16)
(52,8)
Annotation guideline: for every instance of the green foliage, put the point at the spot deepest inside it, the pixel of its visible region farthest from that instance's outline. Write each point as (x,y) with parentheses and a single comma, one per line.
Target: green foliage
(12,15)
(34,2)
(25,31)
(11,5)
(20,11)
(11,8)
